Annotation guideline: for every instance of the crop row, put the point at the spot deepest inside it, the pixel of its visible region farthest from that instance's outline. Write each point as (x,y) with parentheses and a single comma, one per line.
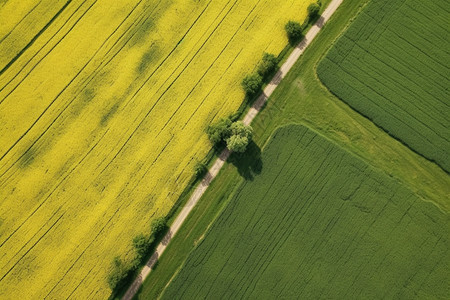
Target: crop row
(318,223)
(392,67)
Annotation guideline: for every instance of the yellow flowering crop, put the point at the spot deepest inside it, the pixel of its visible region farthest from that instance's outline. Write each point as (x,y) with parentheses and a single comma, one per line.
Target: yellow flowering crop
(103,109)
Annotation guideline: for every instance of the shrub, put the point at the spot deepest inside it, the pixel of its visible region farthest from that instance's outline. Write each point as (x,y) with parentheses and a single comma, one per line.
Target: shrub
(200,169)
(140,244)
(268,64)
(313,10)
(293,31)
(252,84)
(158,225)
(241,136)
(118,274)
(219,131)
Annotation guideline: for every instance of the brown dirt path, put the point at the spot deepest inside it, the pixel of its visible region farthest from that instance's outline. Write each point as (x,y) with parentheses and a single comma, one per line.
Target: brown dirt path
(217,166)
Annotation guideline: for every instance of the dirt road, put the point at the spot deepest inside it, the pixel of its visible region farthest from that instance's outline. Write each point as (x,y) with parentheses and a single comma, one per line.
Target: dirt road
(212,173)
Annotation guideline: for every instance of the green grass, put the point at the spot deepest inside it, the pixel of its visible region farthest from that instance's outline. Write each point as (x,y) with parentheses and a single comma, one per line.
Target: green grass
(392,66)
(319,223)
(301,98)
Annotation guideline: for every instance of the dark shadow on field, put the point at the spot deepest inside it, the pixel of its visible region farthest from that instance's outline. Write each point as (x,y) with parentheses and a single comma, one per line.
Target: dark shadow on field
(152,261)
(248,163)
(27,158)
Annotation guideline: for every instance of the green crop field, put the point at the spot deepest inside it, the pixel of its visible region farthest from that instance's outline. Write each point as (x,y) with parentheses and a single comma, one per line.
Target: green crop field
(319,222)
(392,65)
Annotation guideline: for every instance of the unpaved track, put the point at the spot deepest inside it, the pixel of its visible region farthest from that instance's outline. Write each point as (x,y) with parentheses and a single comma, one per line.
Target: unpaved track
(212,173)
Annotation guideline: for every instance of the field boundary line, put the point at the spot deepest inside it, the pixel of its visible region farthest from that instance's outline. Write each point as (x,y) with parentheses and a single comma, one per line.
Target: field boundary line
(220,161)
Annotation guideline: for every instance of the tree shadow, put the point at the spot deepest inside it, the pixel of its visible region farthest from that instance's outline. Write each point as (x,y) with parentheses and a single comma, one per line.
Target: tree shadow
(152,261)
(270,75)
(248,163)
(319,21)
(293,41)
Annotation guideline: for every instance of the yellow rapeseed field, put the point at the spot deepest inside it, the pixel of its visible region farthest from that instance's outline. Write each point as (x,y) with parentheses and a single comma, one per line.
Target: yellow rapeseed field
(103,108)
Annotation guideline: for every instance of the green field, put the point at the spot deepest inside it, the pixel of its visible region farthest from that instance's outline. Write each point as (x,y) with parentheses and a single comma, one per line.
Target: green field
(319,223)
(392,65)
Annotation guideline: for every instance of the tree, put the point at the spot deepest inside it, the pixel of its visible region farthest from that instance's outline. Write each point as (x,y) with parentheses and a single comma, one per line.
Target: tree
(118,273)
(313,10)
(293,31)
(236,135)
(200,169)
(240,129)
(240,137)
(237,143)
(219,131)
(252,84)
(268,64)
(158,225)
(140,244)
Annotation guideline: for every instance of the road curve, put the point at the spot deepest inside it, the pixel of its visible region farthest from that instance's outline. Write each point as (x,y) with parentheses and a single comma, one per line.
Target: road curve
(214,170)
